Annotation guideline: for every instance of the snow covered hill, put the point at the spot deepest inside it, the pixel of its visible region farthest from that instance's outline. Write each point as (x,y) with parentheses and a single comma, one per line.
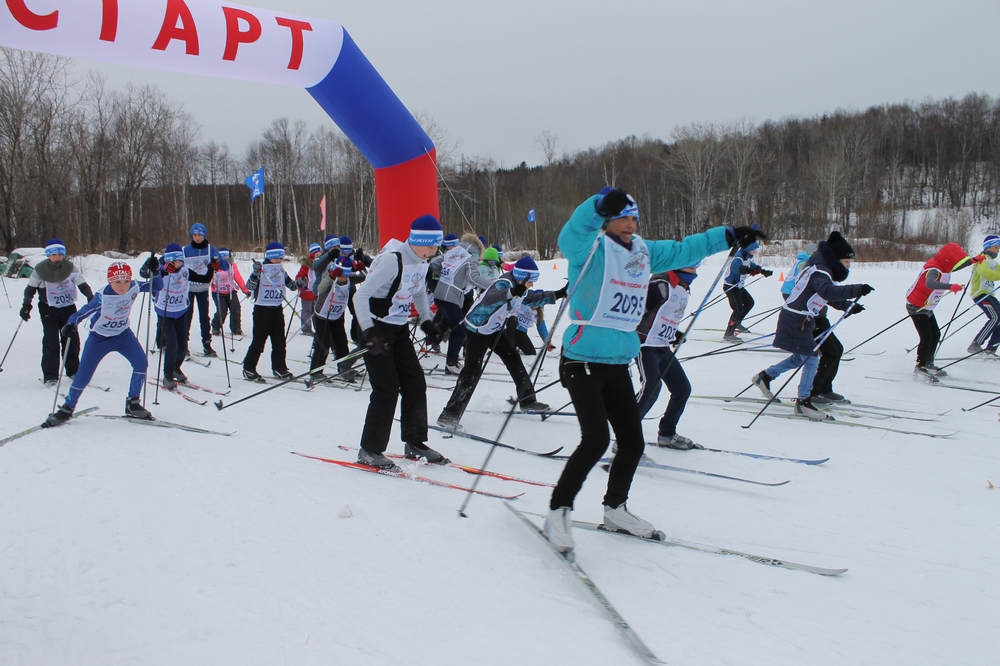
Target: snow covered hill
(126,544)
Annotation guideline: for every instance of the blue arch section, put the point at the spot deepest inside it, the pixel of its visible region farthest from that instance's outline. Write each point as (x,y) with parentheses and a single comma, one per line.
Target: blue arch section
(368,112)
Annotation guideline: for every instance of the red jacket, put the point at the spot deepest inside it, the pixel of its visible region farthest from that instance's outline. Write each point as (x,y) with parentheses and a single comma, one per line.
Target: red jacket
(306,294)
(946,260)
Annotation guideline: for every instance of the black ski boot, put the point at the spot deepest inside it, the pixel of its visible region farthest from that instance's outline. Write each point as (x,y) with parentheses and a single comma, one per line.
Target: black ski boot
(418,450)
(209,352)
(135,410)
(58,417)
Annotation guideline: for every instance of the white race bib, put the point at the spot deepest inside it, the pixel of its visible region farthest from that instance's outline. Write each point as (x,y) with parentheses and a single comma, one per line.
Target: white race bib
(175,293)
(271,290)
(61,294)
(815,302)
(623,291)
(336,302)
(410,283)
(664,327)
(115,310)
(936,295)
(526,316)
(453,260)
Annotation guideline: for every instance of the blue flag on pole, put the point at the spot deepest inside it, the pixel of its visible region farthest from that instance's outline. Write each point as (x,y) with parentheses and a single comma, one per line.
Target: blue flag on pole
(256,184)
(531,216)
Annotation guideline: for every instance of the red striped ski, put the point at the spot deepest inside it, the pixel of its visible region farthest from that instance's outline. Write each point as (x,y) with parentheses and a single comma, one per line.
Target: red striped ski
(404,475)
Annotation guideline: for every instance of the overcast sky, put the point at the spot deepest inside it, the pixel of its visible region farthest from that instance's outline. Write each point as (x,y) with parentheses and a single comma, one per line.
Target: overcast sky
(496,74)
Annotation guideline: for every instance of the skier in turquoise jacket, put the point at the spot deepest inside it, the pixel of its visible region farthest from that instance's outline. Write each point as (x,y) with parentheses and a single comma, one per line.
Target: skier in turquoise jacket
(606,305)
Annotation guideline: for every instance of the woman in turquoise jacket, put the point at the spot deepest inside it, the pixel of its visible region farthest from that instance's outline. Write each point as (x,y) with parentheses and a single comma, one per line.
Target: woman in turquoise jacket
(605,307)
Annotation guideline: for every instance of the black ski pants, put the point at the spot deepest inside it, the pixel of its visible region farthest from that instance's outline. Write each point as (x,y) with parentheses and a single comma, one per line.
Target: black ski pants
(395,374)
(200,299)
(741,302)
(477,347)
(54,345)
(601,394)
(519,338)
(330,334)
(930,336)
(829,357)
(228,304)
(268,322)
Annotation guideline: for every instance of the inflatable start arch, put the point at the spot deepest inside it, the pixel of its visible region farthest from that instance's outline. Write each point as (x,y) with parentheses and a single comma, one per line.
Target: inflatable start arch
(209,38)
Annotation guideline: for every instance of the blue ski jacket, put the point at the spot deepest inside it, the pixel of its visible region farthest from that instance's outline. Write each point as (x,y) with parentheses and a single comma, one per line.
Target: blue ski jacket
(607,345)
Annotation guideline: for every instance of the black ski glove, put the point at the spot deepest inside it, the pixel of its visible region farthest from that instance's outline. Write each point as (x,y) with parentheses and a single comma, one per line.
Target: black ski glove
(68,330)
(766,273)
(518,290)
(433,333)
(152,264)
(374,342)
(257,266)
(743,236)
(857,308)
(866,289)
(679,339)
(26,312)
(612,203)
(561,292)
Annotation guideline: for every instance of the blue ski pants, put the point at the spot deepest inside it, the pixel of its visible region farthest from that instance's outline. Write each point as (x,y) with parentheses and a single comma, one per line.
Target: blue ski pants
(94,351)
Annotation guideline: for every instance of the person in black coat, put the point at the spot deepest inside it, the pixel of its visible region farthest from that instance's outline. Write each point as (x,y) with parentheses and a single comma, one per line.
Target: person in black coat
(814,289)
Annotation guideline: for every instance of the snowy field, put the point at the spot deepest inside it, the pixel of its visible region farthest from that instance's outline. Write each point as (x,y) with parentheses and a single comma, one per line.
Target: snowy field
(126,544)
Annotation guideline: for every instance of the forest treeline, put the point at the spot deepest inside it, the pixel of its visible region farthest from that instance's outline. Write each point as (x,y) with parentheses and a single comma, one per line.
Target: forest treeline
(127,170)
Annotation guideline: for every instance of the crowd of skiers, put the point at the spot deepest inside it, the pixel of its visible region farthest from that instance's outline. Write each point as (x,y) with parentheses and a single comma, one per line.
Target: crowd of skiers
(627,299)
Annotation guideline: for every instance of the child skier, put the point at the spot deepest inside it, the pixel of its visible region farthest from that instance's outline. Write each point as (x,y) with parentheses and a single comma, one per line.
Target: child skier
(383,302)
(305,279)
(985,276)
(485,323)
(226,285)
(666,301)
(56,280)
(806,305)
(459,270)
(110,332)
(793,273)
(267,285)
(335,292)
(202,260)
(740,300)
(933,283)
(601,342)
(173,308)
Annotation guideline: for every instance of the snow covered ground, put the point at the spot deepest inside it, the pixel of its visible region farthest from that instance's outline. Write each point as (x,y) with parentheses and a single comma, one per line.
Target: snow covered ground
(125,544)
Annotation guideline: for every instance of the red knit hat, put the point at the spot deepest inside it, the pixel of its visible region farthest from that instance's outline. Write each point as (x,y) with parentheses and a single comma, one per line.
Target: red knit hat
(119,271)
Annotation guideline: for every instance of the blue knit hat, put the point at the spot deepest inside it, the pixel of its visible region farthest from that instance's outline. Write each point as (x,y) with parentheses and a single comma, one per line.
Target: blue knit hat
(198,228)
(224,252)
(315,248)
(425,232)
(451,240)
(331,242)
(55,246)
(174,252)
(991,241)
(752,247)
(482,239)
(345,264)
(631,209)
(526,270)
(346,246)
(274,250)
(499,251)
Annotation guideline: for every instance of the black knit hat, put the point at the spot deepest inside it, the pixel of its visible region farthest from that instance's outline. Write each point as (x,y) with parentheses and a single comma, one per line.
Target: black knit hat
(841,248)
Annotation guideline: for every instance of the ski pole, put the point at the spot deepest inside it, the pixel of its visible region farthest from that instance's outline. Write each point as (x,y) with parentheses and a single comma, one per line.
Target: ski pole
(827,333)
(149,320)
(291,317)
(510,412)
(725,292)
(761,316)
(982,404)
(4,282)
(163,350)
(731,349)
(62,367)
(11,343)
(355,354)
(953,314)
(877,334)
(225,356)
